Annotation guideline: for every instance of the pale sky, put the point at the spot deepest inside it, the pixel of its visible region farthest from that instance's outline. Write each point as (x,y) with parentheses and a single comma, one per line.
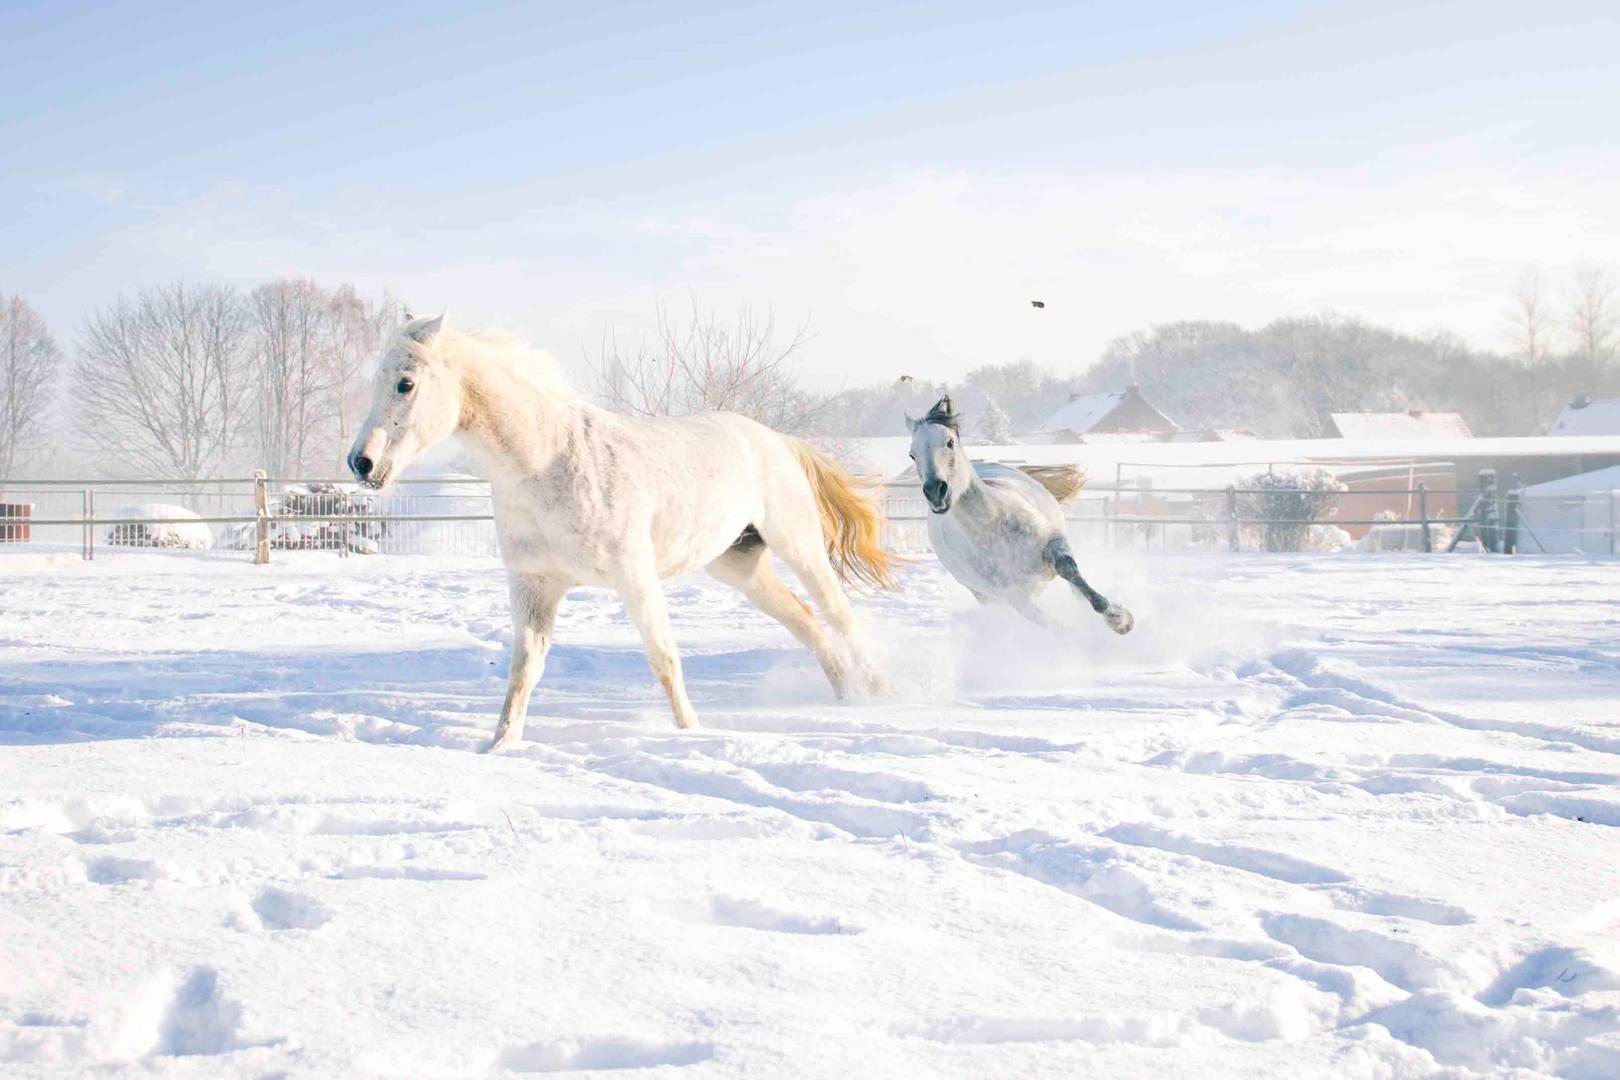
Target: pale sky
(903,177)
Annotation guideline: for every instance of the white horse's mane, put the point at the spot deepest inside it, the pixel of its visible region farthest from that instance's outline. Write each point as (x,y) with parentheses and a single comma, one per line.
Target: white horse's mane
(499,348)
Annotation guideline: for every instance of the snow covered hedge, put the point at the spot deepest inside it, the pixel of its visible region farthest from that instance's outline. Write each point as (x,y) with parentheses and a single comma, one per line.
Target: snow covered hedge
(190,533)
(1283,510)
(315,501)
(309,500)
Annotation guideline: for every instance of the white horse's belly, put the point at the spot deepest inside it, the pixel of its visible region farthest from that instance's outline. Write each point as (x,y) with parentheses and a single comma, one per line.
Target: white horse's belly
(957,553)
(991,564)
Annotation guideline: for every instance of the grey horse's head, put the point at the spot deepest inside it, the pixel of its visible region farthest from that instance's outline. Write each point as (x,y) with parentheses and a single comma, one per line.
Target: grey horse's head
(936,449)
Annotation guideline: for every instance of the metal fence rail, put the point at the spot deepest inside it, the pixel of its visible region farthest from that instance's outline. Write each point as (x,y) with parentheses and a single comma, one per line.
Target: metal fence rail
(258,515)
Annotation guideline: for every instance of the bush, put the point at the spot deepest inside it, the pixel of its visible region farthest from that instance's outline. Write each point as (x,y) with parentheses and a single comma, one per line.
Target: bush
(1280,508)
(309,500)
(182,534)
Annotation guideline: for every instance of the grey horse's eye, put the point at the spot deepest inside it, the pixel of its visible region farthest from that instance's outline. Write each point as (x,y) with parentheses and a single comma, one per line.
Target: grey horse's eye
(950,444)
(405,386)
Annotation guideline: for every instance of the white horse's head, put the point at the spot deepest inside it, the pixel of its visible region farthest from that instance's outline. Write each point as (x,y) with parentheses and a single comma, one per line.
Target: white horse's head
(415,403)
(936,449)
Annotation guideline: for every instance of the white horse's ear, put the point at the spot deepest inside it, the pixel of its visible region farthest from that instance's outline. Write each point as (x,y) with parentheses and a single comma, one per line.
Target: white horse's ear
(426,331)
(911,425)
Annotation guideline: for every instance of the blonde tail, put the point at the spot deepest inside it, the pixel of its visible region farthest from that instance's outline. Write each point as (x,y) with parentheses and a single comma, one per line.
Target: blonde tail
(1063,481)
(851,519)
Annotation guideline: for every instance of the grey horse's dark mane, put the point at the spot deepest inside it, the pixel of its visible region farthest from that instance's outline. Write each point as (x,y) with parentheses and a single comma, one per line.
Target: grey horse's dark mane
(944,414)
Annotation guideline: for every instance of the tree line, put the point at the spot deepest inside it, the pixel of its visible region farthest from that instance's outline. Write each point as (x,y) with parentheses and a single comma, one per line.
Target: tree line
(1283,379)
(187,381)
(192,380)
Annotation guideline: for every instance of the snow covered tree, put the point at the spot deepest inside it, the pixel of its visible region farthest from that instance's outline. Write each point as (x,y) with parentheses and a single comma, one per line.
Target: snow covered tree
(29,363)
(995,426)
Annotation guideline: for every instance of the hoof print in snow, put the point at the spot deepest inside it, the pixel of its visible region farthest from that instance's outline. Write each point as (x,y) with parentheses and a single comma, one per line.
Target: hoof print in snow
(743,914)
(200,1019)
(113,870)
(606,1052)
(279,909)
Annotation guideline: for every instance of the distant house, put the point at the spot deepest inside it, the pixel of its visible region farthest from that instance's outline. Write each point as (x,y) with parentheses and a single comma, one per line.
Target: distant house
(1125,416)
(1213,435)
(1414,424)
(1583,416)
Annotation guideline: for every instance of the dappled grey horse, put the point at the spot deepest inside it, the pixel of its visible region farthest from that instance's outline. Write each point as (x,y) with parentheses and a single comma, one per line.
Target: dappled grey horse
(999,529)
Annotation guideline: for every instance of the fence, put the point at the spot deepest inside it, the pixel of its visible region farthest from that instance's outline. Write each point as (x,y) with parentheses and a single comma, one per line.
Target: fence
(1414,517)
(256,516)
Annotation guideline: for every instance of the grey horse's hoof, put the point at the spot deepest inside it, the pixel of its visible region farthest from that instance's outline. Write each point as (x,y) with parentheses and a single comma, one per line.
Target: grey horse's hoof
(1119,620)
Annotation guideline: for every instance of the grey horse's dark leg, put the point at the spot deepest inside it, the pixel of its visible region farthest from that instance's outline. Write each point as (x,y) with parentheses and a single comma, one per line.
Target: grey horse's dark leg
(1118,618)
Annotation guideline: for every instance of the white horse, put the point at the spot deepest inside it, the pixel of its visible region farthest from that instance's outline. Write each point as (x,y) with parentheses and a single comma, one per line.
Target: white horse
(997,529)
(584,496)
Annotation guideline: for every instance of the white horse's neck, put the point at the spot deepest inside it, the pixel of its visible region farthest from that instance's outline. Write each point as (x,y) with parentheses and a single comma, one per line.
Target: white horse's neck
(974,500)
(509,426)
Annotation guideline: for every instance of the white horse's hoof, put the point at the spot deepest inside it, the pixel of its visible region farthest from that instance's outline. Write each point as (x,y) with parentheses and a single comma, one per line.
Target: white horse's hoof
(505,742)
(1119,619)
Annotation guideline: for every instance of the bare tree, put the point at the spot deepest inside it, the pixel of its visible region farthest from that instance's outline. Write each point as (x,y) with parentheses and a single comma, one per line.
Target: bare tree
(1593,320)
(293,336)
(1528,319)
(708,365)
(361,329)
(159,382)
(29,361)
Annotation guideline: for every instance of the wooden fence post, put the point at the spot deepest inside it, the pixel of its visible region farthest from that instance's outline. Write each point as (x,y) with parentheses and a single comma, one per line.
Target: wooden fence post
(1423,516)
(261,510)
(1490,512)
(1510,524)
(1231,517)
(88,503)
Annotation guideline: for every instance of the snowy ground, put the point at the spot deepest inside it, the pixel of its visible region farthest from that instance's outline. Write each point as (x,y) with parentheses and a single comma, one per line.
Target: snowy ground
(1319,816)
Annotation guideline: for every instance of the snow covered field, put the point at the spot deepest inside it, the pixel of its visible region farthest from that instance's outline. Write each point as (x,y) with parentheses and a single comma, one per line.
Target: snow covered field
(1318,816)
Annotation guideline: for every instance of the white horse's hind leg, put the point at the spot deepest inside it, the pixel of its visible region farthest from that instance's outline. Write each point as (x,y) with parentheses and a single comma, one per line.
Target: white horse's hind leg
(801,549)
(643,596)
(534,611)
(748,569)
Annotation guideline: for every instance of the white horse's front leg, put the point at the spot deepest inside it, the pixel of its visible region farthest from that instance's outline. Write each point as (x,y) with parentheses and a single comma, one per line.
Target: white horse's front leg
(643,597)
(1027,607)
(534,611)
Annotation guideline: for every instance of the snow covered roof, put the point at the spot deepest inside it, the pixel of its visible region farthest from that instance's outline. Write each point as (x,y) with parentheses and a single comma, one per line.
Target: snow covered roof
(1598,480)
(1582,417)
(1416,424)
(1083,413)
(1203,463)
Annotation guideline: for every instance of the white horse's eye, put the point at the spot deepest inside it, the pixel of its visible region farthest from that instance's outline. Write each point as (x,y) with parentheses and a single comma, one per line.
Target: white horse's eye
(950,444)
(405,386)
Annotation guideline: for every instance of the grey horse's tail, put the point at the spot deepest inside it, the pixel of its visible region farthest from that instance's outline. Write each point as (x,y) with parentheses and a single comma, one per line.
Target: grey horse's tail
(1063,481)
